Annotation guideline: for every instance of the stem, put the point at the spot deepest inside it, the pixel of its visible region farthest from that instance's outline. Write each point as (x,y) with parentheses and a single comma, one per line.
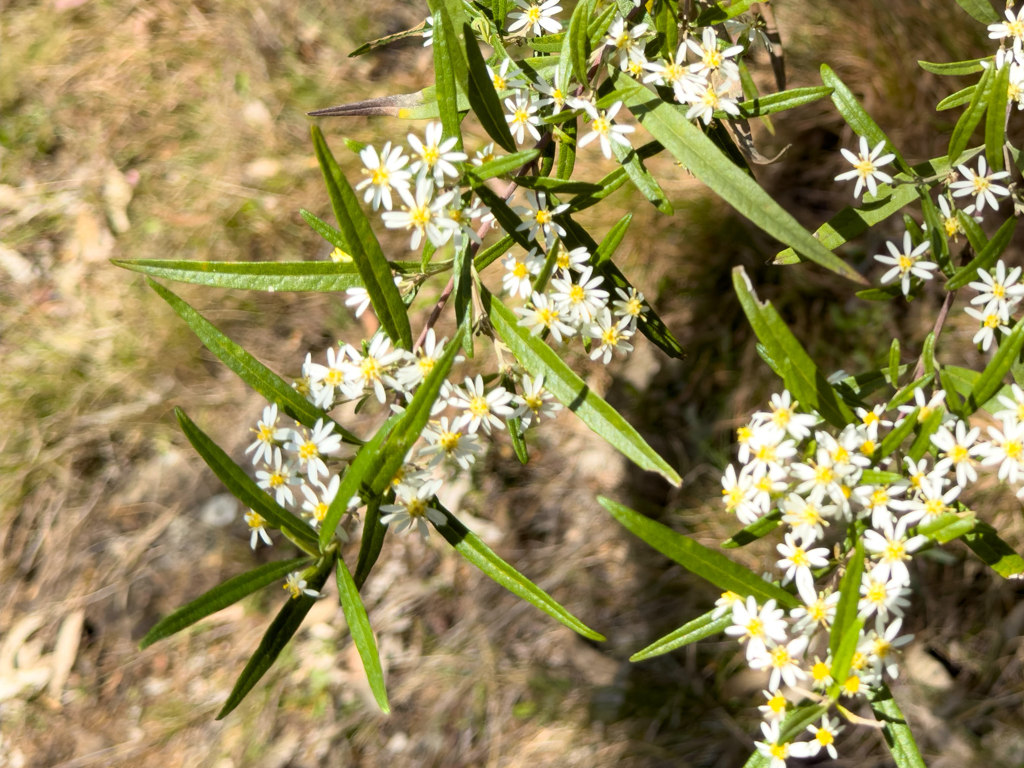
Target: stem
(936,330)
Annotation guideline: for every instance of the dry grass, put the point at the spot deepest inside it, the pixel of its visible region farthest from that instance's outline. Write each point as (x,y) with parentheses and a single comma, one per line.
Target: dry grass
(194,113)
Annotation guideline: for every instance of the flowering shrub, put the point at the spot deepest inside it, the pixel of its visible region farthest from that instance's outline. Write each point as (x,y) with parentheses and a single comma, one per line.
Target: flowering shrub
(861,472)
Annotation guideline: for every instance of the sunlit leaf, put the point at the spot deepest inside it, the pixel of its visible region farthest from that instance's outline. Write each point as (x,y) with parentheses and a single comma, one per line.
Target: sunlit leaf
(985,542)
(756,530)
(954,67)
(691,632)
(380,42)
(251,275)
(482,96)
(995,121)
(980,10)
(972,116)
(986,257)
(362,635)
(856,116)
(897,734)
(849,596)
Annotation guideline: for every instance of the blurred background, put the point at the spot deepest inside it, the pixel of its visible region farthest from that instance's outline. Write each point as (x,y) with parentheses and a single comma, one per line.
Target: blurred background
(175,129)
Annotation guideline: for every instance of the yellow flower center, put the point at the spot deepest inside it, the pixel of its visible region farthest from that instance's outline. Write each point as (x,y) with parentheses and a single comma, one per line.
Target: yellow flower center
(547,316)
(781,416)
(449,441)
(755,628)
(1015,28)
(520,270)
(766,453)
(370,368)
(334,377)
(852,685)
(879,498)
(733,497)
(799,557)
(865,167)
(320,511)
(611,337)
(308,450)
(777,703)
(534,402)
(710,98)
(381,177)
(868,447)
(959,454)
(823,474)
(543,216)
(991,321)
(894,550)
(764,484)
(780,656)
(265,433)
(420,216)
(673,72)
(276,480)
(876,594)
(743,434)
(426,364)
(520,117)
(601,125)
(712,58)
(934,507)
(431,155)
(634,307)
(818,611)
(479,406)
(1013,449)
(871,418)
(416,508)
(820,672)
(952,226)
(824,736)
(779,751)
(533,15)
(881,647)
(905,262)
(255,520)
(981,184)
(999,290)
(859,660)
(499,82)
(841,455)
(577,294)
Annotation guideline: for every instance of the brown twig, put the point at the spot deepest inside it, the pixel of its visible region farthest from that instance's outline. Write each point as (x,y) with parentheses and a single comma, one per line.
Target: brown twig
(936,330)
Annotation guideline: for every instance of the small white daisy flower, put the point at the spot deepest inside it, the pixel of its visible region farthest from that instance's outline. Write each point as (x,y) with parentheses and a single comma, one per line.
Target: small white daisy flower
(601,127)
(268,434)
(535,402)
(522,117)
(980,185)
(435,155)
(536,16)
(481,408)
(383,172)
(542,315)
(906,264)
(865,167)
(257,526)
(412,507)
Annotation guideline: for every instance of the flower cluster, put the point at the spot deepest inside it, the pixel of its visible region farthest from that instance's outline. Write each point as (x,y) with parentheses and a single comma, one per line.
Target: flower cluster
(827,487)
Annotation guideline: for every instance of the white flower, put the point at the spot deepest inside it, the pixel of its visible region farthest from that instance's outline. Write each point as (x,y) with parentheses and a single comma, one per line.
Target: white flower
(501,79)
(908,264)
(881,595)
(931,502)
(768,482)
(769,451)
(892,549)
(858,445)
(1006,450)
(818,611)
(1001,287)
(672,72)
(821,475)
(626,41)
(958,452)
(297,586)
(461,214)
(705,102)
(711,58)
(824,737)
(783,662)
(541,315)
(980,185)
(520,271)
(554,94)
(540,218)
(1013,408)
(872,420)
(449,443)
(806,515)
(428,32)
(268,434)
(1012,27)
(882,642)
(435,155)
(738,494)
(927,406)
(757,625)
(325,379)
(784,418)
(535,401)
(422,215)
(484,155)
(724,604)
(778,752)
(798,561)
(383,173)
(316,507)
(276,477)
(412,375)
(257,525)
(601,127)
(370,370)
(878,501)
(522,117)
(312,446)
(775,706)
(865,167)
(580,301)
(536,15)
(480,408)
(994,317)
(821,673)
(412,508)
(358,298)
(950,222)
(631,305)
(612,334)
(575,260)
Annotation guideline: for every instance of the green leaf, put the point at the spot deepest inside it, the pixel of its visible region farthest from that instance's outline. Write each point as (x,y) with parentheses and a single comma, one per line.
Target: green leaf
(220,597)
(444,77)
(895,438)
(611,241)
(985,258)
(716,13)
(793,724)
(849,595)
(649,324)
(284,626)
(372,540)
(362,635)
(362,245)
(844,653)
(250,275)
(954,67)
(691,632)
(894,361)
(885,293)
(756,530)
(853,222)
(778,102)
(958,99)
(949,527)
(558,186)
(688,144)
(492,253)
(249,369)
(415,417)
(380,42)
(709,565)
(975,236)
(995,122)
(244,489)
(897,734)
(906,393)
(928,353)
(505,216)
(971,117)
(922,443)
(642,178)
(613,180)
(993,551)
(515,426)
(855,115)
(980,10)
(599,25)
(462,294)
(804,379)
(575,46)
(936,232)
(482,96)
(879,477)
(501,166)
(567,149)
(469,545)
(570,390)
(991,379)
(352,480)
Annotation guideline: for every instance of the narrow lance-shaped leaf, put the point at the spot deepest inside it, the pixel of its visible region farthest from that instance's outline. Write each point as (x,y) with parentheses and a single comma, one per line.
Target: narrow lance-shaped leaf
(611,241)
(444,77)
(282,629)
(756,530)
(574,47)
(220,597)
(958,99)
(980,10)
(895,438)
(504,215)
(954,67)
(849,596)
(249,369)
(469,545)
(668,124)
(244,489)
(482,96)
(856,116)
(500,166)
(642,178)
(975,235)
(993,551)
(560,380)
(352,480)
(362,245)
(991,379)
(250,275)
(778,102)
(362,635)
(701,627)
(462,293)
(557,186)
(922,443)
(372,540)
(380,42)
(894,362)
(898,736)
(995,121)
(972,116)
(844,653)
(698,559)
(936,232)
(986,257)
(567,149)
